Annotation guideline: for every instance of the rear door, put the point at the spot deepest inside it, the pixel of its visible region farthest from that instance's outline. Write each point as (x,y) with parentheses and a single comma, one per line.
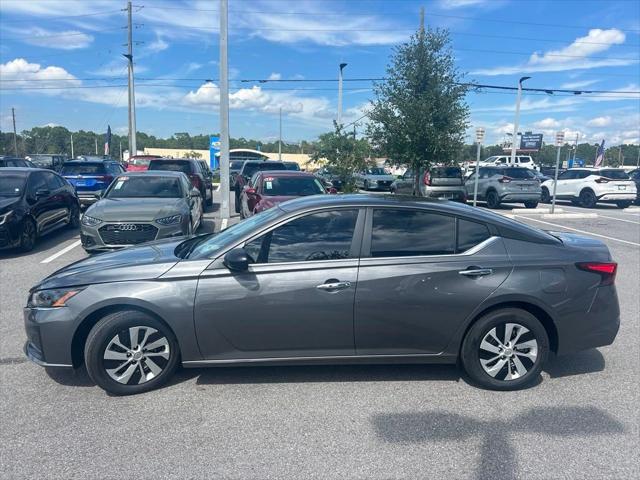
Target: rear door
(42,208)
(296,299)
(421,275)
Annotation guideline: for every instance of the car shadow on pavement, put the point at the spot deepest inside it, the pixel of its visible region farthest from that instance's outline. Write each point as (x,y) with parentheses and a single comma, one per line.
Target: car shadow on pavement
(44,243)
(324,373)
(70,377)
(588,361)
(498,457)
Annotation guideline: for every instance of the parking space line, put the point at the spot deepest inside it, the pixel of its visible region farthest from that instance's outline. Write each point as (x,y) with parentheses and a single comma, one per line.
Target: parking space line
(61,252)
(581,231)
(620,219)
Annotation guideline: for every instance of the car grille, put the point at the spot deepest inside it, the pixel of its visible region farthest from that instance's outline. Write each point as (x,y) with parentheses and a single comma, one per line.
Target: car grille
(384,183)
(127,233)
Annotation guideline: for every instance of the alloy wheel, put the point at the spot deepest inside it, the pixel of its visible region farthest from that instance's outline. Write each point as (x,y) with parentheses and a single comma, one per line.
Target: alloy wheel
(136,355)
(508,351)
(28,237)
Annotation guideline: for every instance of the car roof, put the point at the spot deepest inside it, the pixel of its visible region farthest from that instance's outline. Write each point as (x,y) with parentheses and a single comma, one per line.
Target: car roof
(87,162)
(507,227)
(284,173)
(152,173)
(174,159)
(24,170)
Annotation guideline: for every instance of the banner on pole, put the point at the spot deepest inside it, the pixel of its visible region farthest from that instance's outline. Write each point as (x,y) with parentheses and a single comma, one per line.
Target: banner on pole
(214,152)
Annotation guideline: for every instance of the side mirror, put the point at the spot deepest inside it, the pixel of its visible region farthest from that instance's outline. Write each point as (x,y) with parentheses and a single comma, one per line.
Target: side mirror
(43,192)
(332,190)
(194,193)
(237,260)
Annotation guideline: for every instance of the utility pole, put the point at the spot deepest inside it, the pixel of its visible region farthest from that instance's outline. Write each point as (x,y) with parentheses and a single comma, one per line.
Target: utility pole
(72,155)
(342,65)
(516,122)
(479,139)
(280,138)
(224,112)
(15,135)
(559,143)
(120,150)
(575,150)
(133,150)
(95,139)
(620,159)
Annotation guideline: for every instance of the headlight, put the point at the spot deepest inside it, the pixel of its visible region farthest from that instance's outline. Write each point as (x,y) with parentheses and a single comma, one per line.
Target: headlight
(5,217)
(172,220)
(52,298)
(90,221)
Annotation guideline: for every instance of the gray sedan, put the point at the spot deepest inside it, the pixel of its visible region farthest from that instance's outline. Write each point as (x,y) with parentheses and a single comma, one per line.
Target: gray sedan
(374,179)
(139,207)
(332,279)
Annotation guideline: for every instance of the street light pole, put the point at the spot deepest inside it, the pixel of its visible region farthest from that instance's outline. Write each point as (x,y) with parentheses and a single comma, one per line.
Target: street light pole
(224,113)
(342,65)
(479,140)
(280,138)
(72,155)
(133,148)
(517,121)
(559,143)
(15,135)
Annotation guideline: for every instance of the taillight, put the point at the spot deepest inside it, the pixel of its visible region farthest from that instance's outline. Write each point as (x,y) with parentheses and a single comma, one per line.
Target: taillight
(505,179)
(427,178)
(105,178)
(606,270)
(195,181)
(602,180)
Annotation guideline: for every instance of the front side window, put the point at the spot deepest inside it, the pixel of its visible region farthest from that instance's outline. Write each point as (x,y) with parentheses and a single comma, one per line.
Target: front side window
(54,182)
(402,233)
(314,237)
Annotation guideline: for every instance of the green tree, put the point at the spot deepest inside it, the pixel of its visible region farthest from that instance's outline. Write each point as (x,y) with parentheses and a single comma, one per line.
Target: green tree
(420,115)
(344,154)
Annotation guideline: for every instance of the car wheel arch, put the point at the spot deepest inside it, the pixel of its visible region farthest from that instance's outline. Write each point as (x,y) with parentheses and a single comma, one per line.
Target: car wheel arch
(90,320)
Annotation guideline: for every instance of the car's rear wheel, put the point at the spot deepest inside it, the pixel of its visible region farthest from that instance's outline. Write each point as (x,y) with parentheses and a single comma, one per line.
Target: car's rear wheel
(531,204)
(130,352)
(545,197)
(493,201)
(624,204)
(74,217)
(209,201)
(588,198)
(28,235)
(237,202)
(366,185)
(505,349)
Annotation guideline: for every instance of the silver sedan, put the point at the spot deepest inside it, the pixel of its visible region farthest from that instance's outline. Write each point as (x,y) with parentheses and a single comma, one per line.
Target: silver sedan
(140,207)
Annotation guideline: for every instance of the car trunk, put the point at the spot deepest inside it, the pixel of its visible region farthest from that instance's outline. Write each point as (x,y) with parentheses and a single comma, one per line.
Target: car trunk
(446,177)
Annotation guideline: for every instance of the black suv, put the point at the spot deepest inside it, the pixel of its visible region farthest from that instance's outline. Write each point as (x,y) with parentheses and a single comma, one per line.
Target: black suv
(34,202)
(192,169)
(15,162)
(250,167)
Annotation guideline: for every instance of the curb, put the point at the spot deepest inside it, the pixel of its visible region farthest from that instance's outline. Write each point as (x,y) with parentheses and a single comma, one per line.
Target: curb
(632,210)
(570,215)
(534,211)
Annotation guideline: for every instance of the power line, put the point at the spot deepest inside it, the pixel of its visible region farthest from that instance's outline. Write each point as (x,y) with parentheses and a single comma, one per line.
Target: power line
(64,17)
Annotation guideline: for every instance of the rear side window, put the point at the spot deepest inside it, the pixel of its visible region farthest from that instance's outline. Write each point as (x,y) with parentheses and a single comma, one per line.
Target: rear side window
(470,234)
(615,174)
(171,165)
(519,173)
(84,169)
(403,233)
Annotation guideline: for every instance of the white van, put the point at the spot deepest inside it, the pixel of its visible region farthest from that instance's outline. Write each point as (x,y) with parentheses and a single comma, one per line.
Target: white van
(520,161)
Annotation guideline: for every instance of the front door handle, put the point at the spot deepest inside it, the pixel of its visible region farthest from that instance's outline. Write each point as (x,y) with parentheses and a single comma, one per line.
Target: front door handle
(476,272)
(333,285)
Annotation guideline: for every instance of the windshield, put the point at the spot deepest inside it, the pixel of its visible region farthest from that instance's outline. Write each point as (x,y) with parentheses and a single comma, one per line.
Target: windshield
(376,171)
(84,169)
(43,162)
(172,166)
(520,173)
(206,246)
(251,168)
(292,166)
(142,162)
(145,186)
(12,185)
(615,174)
(291,186)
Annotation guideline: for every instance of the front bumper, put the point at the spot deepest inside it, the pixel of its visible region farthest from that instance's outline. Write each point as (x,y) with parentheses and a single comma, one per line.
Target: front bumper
(9,235)
(49,336)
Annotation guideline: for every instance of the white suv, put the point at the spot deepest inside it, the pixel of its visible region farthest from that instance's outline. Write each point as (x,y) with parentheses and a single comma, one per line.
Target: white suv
(588,186)
(500,160)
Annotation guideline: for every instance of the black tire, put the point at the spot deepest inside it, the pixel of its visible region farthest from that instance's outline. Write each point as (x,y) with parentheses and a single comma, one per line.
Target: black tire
(624,204)
(74,218)
(472,354)
(588,199)
(545,197)
(28,235)
(531,204)
(237,202)
(209,201)
(493,200)
(119,324)
(366,185)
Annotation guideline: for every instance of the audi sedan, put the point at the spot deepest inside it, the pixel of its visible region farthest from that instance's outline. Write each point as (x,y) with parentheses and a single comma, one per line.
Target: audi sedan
(331,279)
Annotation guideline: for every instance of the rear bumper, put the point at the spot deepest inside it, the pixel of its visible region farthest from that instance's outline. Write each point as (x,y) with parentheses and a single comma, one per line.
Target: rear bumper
(520,196)
(617,197)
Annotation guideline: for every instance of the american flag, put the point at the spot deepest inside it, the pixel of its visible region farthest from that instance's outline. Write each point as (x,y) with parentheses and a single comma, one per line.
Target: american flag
(599,155)
(107,141)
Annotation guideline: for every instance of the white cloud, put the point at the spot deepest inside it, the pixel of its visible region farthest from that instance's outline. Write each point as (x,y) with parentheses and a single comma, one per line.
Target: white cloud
(547,123)
(572,57)
(61,40)
(452,4)
(578,85)
(275,76)
(158,45)
(600,121)
(23,73)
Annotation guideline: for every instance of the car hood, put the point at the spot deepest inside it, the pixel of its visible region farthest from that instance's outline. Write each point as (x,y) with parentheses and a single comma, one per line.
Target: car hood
(7,203)
(144,262)
(135,209)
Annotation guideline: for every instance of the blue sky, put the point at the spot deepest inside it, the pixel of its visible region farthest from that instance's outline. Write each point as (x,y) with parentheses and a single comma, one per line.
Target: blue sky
(57,46)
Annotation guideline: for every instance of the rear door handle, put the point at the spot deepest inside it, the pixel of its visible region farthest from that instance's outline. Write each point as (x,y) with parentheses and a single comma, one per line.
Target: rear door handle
(476,272)
(333,286)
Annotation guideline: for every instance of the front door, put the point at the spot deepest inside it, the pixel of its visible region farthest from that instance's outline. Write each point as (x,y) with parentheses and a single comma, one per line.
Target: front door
(417,284)
(296,299)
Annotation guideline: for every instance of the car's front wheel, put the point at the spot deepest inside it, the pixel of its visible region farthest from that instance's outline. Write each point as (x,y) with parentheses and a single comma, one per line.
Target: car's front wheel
(28,235)
(588,199)
(130,352)
(531,204)
(493,200)
(545,197)
(505,349)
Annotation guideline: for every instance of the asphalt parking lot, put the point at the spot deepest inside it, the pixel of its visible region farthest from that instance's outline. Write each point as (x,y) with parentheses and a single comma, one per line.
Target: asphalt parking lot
(580,421)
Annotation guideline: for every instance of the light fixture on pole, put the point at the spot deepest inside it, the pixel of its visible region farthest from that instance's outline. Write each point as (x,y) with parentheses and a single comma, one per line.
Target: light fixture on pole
(342,65)
(514,138)
(559,143)
(479,141)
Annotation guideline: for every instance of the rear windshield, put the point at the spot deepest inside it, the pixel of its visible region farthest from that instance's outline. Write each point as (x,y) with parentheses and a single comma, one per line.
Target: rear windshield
(145,186)
(523,173)
(251,168)
(11,185)
(143,162)
(615,174)
(171,165)
(42,161)
(291,186)
(292,166)
(376,171)
(84,169)
(446,172)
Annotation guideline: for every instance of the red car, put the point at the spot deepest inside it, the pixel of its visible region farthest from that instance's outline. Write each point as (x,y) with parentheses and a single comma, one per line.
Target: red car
(140,163)
(268,188)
